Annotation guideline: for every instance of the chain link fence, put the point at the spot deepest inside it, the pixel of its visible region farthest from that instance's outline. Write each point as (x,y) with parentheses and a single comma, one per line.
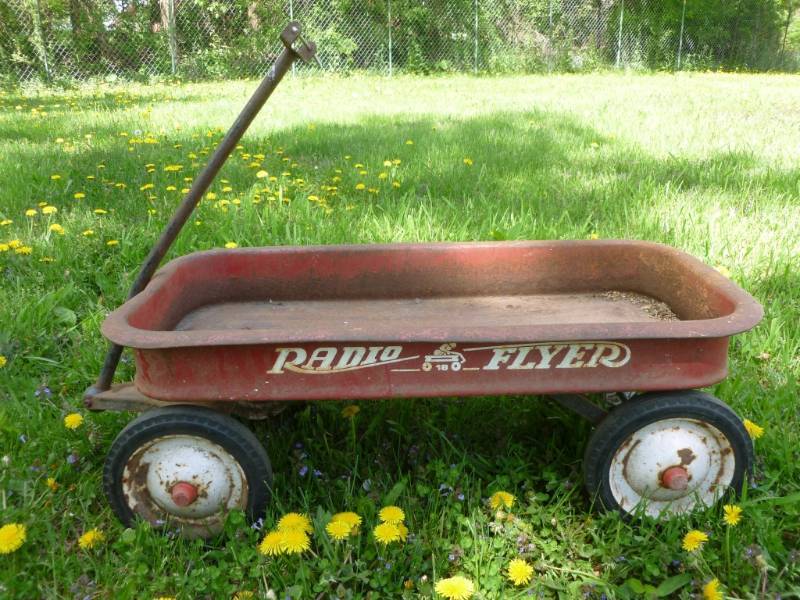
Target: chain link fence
(204,39)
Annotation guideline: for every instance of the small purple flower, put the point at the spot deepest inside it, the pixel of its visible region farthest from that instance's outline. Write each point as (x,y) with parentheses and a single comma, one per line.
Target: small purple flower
(298,445)
(460,496)
(303,470)
(72,458)
(367,485)
(451,557)
(317,473)
(388,566)
(258,525)
(23,438)
(159,522)
(35,468)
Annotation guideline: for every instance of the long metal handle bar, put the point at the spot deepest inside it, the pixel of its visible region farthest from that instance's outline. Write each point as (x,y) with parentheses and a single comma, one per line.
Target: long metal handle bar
(305,51)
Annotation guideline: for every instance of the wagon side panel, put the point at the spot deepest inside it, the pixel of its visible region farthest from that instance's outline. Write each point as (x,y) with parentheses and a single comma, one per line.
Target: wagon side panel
(330,371)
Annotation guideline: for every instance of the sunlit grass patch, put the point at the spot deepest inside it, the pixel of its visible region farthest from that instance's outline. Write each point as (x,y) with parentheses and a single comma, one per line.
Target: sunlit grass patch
(707,163)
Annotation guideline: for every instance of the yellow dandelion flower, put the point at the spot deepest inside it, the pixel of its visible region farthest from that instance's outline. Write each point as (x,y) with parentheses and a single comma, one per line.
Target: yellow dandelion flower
(211,196)
(755,431)
(4,247)
(56,228)
(90,539)
(409,142)
(52,484)
(350,411)
(244,595)
(386,533)
(594,236)
(23,250)
(387,163)
(360,186)
(294,541)
(295,521)
(520,572)
(78,195)
(455,588)
(338,530)
(403,532)
(733,514)
(694,540)
(231,245)
(3,361)
(14,244)
(112,243)
(383,175)
(49,210)
(351,518)
(146,186)
(171,188)
(87,232)
(12,536)
(31,212)
(711,590)
(55,177)
(395,184)
(73,420)
(396,161)
(100,211)
(5,222)
(391,514)
(501,500)
(271,544)
(468,161)
(173,168)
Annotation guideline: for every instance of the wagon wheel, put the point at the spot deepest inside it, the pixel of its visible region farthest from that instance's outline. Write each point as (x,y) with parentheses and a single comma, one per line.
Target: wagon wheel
(186,467)
(667,453)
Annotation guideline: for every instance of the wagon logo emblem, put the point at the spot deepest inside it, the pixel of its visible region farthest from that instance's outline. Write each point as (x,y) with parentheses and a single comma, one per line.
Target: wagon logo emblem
(332,359)
(444,359)
(555,355)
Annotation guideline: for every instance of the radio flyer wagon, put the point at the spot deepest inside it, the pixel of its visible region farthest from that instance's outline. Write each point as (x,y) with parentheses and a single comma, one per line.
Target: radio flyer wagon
(232,332)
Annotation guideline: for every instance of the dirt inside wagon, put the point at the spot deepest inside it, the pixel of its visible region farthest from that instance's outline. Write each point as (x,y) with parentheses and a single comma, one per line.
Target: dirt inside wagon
(437,312)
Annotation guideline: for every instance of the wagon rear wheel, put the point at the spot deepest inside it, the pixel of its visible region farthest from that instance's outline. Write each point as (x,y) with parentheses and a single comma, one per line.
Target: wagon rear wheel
(667,453)
(186,467)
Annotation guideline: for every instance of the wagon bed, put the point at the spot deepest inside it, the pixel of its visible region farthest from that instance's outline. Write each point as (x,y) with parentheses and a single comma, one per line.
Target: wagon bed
(499,317)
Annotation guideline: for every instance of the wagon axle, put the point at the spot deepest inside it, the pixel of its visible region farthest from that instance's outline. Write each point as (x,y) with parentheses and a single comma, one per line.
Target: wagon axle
(675,478)
(183,494)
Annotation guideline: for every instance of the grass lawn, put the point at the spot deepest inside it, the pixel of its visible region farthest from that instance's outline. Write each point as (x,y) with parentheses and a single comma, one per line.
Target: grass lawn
(709,163)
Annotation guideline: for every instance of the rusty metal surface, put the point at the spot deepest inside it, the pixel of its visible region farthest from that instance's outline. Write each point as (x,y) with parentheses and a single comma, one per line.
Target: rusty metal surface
(407,320)
(154,469)
(691,450)
(125,397)
(304,51)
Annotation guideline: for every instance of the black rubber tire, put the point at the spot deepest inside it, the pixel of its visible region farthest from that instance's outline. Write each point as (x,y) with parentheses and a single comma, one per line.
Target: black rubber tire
(642,410)
(219,428)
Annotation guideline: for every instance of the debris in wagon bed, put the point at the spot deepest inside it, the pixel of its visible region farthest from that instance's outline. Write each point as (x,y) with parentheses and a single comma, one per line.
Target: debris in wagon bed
(655,309)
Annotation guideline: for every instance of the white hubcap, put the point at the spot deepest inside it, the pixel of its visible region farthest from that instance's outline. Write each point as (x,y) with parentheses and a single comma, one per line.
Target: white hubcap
(698,448)
(155,468)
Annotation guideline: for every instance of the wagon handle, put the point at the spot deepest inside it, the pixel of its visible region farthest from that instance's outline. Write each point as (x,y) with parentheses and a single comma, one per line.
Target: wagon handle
(292,51)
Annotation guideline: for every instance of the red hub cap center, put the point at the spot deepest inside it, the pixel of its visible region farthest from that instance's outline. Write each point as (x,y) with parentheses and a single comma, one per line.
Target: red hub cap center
(675,478)
(183,494)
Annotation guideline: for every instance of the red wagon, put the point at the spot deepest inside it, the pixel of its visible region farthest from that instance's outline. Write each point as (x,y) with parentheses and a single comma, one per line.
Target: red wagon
(234,331)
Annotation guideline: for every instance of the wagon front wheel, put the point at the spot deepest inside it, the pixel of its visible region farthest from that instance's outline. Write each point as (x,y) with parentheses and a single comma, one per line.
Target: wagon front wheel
(667,453)
(186,467)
